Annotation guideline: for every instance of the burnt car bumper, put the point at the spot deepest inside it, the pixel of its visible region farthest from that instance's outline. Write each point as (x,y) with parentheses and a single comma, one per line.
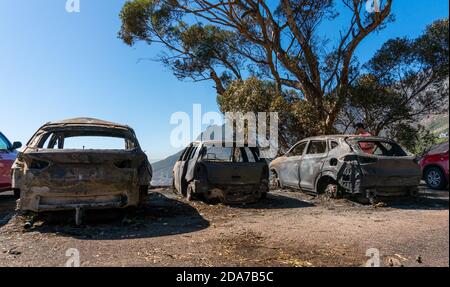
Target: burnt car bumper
(388,186)
(38,194)
(229,194)
(39,202)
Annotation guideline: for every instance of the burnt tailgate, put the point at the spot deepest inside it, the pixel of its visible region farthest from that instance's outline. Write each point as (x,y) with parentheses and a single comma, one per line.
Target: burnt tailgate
(234,173)
(83,171)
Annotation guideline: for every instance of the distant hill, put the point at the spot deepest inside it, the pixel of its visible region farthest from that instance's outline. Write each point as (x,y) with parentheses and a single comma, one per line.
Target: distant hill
(162,170)
(437,124)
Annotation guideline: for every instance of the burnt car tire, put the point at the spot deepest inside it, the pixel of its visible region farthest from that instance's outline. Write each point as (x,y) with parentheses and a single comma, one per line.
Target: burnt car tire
(332,191)
(275,181)
(435,178)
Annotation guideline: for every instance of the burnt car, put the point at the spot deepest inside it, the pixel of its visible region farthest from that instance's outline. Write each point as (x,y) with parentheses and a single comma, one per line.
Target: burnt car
(367,167)
(218,171)
(79,164)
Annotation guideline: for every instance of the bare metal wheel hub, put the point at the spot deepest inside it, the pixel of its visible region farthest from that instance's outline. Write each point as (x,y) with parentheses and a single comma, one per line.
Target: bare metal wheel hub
(331,191)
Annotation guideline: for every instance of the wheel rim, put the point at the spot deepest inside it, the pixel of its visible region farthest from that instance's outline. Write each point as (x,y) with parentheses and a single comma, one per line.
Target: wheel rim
(434,178)
(331,191)
(274,182)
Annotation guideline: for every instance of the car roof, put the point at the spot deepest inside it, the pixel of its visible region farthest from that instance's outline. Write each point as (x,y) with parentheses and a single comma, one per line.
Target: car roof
(215,142)
(86,121)
(356,137)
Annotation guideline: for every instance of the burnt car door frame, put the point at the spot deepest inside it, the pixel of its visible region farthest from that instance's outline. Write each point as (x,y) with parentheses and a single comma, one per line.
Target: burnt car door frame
(311,166)
(177,170)
(289,170)
(183,165)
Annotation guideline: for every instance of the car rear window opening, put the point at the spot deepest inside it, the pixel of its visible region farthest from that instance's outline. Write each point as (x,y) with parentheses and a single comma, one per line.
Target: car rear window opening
(381,148)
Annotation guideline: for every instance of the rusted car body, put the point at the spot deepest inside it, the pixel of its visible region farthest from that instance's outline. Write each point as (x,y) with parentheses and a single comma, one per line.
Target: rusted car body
(50,175)
(214,170)
(364,166)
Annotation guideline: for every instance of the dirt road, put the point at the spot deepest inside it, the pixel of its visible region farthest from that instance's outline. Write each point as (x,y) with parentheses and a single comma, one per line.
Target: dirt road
(287,229)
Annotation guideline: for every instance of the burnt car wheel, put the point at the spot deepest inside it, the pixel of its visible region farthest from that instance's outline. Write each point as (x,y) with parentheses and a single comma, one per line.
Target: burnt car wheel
(274,180)
(435,179)
(332,191)
(190,192)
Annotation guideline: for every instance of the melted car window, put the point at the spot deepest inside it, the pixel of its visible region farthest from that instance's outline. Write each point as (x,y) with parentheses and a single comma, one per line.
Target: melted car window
(216,153)
(381,148)
(298,149)
(334,144)
(317,147)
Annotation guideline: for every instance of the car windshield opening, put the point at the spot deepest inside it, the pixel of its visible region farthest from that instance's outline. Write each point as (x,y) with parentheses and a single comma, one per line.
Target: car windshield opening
(94,142)
(218,153)
(230,154)
(381,148)
(85,142)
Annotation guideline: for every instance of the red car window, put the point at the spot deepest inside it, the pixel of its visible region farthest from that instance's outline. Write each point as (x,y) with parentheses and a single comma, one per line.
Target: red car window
(4,144)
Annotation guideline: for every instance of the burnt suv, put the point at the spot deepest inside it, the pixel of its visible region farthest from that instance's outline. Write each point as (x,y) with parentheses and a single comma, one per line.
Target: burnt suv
(81,164)
(218,171)
(332,165)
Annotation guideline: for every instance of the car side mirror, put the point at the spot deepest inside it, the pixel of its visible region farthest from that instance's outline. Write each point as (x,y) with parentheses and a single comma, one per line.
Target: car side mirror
(16,145)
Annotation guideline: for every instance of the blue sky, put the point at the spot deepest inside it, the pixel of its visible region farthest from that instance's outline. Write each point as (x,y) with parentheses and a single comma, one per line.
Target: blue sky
(55,65)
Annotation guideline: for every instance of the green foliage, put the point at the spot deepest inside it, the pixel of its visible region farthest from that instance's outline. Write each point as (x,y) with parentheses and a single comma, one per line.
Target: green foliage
(415,139)
(226,41)
(405,81)
(271,58)
(297,118)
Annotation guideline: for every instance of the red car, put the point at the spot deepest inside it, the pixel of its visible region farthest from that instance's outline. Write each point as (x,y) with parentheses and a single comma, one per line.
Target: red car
(434,166)
(8,155)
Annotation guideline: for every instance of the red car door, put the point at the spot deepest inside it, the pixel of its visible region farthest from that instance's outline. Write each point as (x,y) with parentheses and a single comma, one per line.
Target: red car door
(7,157)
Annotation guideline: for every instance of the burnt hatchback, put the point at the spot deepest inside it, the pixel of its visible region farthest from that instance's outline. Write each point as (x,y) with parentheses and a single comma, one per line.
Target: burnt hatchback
(368,167)
(79,164)
(221,171)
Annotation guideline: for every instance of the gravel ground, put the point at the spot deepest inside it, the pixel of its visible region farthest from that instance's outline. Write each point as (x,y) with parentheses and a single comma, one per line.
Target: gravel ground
(287,229)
